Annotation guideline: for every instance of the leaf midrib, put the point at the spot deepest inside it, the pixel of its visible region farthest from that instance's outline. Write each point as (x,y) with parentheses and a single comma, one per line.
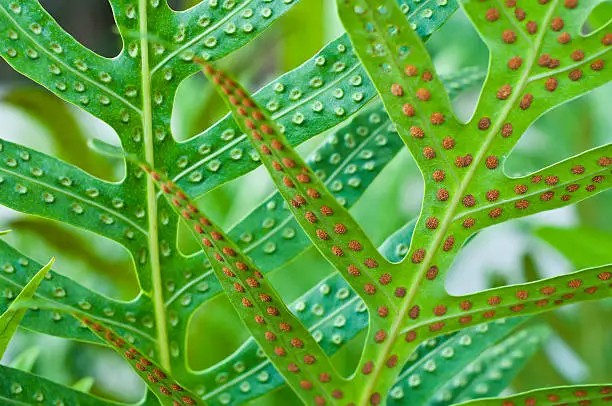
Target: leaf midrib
(147,119)
(447,221)
(530,194)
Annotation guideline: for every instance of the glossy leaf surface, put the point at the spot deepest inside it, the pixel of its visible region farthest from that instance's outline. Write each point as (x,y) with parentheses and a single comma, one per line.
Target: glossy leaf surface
(571,395)
(537,62)
(133,93)
(311,203)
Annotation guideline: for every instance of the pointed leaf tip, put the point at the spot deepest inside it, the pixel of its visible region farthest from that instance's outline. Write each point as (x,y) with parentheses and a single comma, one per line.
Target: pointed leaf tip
(11,318)
(25,360)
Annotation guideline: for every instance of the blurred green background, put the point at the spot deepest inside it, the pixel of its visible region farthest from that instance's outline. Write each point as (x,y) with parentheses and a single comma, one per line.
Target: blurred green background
(539,246)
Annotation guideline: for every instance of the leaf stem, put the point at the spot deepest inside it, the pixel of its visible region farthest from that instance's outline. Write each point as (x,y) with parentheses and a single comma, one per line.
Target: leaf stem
(147,120)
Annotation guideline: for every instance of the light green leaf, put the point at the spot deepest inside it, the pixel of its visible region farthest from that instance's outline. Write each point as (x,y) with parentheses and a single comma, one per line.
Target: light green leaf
(11,318)
(134,93)
(84,384)
(574,395)
(533,67)
(26,359)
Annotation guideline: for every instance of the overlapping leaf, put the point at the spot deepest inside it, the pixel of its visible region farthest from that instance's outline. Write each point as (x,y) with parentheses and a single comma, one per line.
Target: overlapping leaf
(21,388)
(133,93)
(568,395)
(493,371)
(535,65)
(385,39)
(308,200)
(11,318)
(465,187)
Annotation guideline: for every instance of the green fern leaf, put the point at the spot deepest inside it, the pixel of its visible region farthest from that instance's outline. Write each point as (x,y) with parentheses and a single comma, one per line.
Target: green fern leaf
(493,371)
(587,394)
(133,93)
(166,389)
(423,379)
(405,299)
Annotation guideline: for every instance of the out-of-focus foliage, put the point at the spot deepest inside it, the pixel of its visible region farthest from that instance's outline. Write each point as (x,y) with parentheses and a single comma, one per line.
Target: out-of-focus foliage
(584,246)
(538,60)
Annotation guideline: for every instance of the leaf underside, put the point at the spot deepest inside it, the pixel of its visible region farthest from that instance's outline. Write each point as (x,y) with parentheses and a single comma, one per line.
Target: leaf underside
(538,60)
(133,93)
